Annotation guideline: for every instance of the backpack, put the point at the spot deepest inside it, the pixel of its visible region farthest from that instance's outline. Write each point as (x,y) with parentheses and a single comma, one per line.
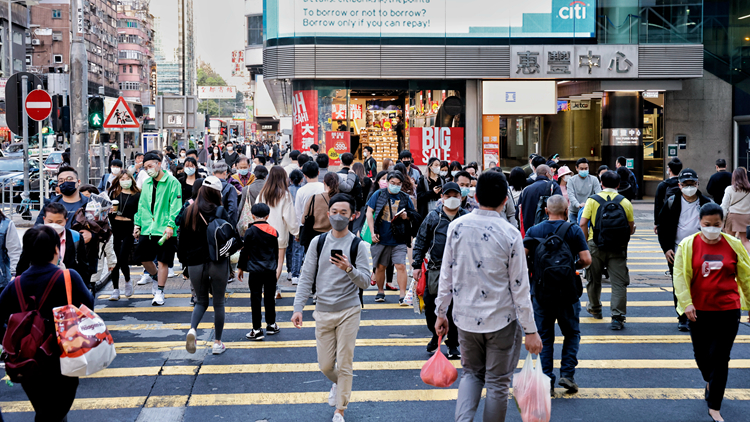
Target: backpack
(353,251)
(554,273)
(541,206)
(27,344)
(223,239)
(612,229)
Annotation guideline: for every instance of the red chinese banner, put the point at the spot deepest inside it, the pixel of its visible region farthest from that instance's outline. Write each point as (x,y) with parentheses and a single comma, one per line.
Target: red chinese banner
(339,112)
(445,143)
(305,133)
(337,143)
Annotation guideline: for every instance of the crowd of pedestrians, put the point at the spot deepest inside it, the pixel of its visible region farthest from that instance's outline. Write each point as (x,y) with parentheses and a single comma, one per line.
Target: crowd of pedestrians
(501,256)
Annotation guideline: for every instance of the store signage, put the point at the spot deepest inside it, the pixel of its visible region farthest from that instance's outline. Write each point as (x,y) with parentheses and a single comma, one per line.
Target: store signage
(490,141)
(337,143)
(630,163)
(305,119)
(624,137)
(217,92)
(650,94)
(519,97)
(266,127)
(577,105)
(598,61)
(563,106)
(431,18)
(339,111)
(445,143)
(672,150)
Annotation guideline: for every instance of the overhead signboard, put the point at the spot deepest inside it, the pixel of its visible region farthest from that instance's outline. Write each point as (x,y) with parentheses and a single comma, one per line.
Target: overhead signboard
(217,92)
(597,61)
(121,117)
(519,97)
(431,18)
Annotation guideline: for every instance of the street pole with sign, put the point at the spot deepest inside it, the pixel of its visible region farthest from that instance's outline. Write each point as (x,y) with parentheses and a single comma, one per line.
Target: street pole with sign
(25,120)
(79,82)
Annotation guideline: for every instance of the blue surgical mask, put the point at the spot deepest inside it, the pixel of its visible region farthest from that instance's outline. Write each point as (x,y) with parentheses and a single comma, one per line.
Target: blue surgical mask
(394,189)
(243,172)
(583,173)
(190,171)
(465,192)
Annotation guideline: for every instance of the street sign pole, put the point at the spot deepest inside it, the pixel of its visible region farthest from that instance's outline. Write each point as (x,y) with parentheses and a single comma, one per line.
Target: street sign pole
(41,161)
(24,116)
(122,147)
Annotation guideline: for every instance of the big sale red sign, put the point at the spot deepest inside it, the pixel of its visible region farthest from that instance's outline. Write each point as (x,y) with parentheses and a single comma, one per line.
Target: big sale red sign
(337,143)
(445,143)
(305,104)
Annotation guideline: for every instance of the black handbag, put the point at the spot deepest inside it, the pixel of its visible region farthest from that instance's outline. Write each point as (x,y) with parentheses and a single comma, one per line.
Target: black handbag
(308,231)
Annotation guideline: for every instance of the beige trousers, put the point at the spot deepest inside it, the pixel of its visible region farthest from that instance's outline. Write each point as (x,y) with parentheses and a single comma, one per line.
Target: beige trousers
(336,335)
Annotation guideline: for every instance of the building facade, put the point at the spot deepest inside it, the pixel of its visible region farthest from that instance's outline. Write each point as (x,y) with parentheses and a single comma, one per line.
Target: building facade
(186,48)
(135,45)
(583,79)
(17,46)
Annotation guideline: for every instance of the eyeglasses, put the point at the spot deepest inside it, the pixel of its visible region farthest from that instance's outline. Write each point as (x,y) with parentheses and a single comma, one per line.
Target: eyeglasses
(67,179)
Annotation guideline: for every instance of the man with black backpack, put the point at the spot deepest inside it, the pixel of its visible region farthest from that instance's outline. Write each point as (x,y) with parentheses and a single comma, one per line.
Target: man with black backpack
(533,199)
(341,268)
(552,247)
(611,217)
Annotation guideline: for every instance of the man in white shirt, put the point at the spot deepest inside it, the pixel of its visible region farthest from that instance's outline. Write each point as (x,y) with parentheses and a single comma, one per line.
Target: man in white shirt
(289,168)
(311,188)
(484,272)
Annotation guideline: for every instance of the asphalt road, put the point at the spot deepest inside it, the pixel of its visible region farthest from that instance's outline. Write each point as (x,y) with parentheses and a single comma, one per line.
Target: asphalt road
(643,373)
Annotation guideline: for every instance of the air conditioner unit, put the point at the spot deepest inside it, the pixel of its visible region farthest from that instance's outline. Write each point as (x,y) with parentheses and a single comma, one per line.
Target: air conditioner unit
(36,42)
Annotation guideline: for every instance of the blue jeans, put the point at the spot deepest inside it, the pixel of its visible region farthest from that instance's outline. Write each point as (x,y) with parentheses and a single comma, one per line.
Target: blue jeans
(567,316)
(294,255)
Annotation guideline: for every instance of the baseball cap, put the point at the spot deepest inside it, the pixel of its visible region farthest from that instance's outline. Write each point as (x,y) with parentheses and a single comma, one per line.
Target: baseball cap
(688,174)
(213,182)
(451,186)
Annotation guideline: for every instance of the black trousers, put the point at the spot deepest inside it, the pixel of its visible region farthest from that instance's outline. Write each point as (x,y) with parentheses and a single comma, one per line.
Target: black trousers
(429,311)
(681,318)
(51,396)
(260,282)
(713,334)
(122,242)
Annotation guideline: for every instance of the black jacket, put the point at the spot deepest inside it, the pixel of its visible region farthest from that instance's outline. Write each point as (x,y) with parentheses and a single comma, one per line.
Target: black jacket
(627,190)
(432,237)
(356,191)
(232,158)
(192,245)
(669,217)
(661,196)
(717,184)
(75,257)
(371,167)
(529,199)
(425,194)
(261,251)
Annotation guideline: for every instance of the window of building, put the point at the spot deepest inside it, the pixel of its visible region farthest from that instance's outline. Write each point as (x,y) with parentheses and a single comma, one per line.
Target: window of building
(57,36)
(56,14)
(28,60)
(124,69)
(130,54)
(255,30)
(17,38)
(58,58)
(131,68)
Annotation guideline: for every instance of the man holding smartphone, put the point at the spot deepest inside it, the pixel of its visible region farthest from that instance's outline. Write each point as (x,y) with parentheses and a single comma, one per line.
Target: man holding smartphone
(339,279)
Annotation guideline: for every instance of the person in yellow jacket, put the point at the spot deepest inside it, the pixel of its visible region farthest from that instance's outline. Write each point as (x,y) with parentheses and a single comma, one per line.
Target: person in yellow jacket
(712,285)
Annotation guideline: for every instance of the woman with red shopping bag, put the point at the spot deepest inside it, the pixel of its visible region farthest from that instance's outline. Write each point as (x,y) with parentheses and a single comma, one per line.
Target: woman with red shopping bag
(41,287)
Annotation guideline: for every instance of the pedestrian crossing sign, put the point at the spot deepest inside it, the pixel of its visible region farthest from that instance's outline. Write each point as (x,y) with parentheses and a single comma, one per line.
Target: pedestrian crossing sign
(120,117)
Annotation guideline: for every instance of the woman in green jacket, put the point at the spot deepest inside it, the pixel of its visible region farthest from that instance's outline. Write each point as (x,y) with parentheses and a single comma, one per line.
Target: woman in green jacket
(712,286)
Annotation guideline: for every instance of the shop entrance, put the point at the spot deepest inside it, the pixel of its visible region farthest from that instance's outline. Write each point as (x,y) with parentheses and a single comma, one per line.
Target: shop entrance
(653,136)
(509,140)
(375,119)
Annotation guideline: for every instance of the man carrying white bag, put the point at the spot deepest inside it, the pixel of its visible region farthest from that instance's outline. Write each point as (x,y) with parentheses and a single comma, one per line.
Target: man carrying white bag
(85,343)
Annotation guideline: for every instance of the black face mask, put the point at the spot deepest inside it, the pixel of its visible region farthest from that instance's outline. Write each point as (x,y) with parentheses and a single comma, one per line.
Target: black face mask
(406,163)
(68,188)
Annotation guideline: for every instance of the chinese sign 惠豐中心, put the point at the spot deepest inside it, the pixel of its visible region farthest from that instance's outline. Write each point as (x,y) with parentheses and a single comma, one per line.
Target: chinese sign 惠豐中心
(569,61)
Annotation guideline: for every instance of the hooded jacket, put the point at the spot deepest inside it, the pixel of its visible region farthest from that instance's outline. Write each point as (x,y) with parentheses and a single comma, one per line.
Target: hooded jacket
(159,205)
(432,236)
(261,248)
(669,218)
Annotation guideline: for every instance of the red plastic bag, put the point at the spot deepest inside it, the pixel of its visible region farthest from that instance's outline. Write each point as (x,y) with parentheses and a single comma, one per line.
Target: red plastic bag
(438,371)
(531,392)
(422,282)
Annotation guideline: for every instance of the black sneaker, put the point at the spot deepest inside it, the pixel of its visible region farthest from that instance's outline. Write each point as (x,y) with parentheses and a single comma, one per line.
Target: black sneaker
(272,329)
(569,384)
(616,324)
(402,302)
(595,315)
(255,335)
(682,324)
(432,346)
(454,353)
(380,297)
(192,301)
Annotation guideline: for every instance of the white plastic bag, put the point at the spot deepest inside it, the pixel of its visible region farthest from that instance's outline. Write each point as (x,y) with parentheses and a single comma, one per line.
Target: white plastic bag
(531,392)
(409,298)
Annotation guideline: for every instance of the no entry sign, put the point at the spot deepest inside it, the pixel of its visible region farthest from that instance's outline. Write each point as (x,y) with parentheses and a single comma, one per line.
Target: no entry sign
(38,105)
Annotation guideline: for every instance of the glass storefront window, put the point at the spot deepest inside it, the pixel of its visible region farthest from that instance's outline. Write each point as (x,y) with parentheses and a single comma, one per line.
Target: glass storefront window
(649,21)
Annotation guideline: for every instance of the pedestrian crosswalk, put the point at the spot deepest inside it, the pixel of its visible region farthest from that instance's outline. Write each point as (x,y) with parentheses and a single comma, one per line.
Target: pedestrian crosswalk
(645,372)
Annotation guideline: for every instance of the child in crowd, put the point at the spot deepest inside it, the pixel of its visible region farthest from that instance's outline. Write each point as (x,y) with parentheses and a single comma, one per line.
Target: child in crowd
(259,258)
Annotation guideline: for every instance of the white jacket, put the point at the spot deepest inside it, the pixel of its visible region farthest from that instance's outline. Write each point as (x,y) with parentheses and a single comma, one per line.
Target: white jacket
(735,202)
(283,218)
(104,264)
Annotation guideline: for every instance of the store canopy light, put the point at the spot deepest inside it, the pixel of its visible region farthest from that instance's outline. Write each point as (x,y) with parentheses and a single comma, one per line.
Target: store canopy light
(519,97)
(743,17)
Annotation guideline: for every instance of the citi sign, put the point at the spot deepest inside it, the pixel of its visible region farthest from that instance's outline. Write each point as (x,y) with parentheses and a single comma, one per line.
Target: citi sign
(575,10)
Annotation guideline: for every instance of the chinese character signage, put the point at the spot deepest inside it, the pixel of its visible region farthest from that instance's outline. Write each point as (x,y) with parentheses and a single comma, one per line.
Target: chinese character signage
(305,115)
(238,62)
(624,137)
(217,92)
(445,143)
(337,143)
(597,61)
(339,112)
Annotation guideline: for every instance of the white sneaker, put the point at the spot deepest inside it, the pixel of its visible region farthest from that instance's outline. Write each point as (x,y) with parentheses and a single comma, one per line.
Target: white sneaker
(289,276)
(115,295)
(158,298)
(171,273)
(337,418)
(295,281)
(218,348)
(128,289)
(154,287)
(332,396)
(145,279)
(190,341)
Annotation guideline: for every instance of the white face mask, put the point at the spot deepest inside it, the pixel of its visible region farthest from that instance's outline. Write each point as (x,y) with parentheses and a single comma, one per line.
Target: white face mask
(444,173)
(126,183)
(711,233)
(182,154)
(689,190)
(116,170)
(435,170)
(452,203)
(152,172)
(58,228)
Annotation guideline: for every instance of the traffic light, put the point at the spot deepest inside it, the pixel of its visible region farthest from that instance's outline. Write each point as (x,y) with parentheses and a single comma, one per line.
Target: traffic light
(96,112)
(208,121)
(65,119)
(54,118)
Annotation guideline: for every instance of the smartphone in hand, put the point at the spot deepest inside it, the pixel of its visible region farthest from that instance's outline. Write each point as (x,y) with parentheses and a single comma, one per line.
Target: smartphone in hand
(336,252)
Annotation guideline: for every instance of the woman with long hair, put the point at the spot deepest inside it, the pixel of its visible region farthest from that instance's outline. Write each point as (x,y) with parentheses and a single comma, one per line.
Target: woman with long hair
(736,206)
(283,218)
(429,187)
(517,182)
(215,157)
(388,164)
(187,178)
(51,394)
(453,169)
(711,285)
(204,273)
(124,190)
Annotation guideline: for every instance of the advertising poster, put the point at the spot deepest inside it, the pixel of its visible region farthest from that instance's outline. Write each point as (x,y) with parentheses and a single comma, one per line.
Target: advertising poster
(305,119)
(337,144)
(490,140)
(445,143)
